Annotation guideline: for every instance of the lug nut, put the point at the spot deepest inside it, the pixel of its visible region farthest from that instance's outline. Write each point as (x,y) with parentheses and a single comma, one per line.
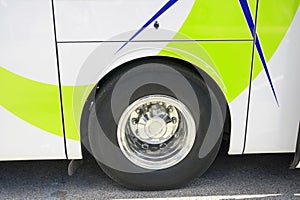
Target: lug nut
(162,145)
(174,120)
(145,146)
(145,107)
(170,109)
(138,111)
(134,121)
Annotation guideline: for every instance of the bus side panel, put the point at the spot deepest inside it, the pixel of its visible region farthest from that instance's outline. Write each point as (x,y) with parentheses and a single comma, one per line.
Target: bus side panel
(274,107)
(30,115)
(104,20)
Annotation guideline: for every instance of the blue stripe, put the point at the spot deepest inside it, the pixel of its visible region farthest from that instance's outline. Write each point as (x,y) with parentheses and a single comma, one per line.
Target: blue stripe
(159,13)
(249,19)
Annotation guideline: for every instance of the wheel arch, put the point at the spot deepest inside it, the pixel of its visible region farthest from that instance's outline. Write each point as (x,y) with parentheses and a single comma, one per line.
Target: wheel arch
(117,66)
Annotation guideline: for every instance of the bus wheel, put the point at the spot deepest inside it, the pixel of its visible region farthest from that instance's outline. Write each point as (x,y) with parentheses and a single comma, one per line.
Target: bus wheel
(149,126)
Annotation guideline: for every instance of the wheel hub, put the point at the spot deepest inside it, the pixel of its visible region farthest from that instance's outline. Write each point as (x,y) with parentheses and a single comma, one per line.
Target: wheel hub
(153,122)
(156,132)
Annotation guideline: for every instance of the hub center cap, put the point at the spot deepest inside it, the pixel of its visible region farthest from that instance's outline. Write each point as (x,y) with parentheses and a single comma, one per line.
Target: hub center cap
(156,128)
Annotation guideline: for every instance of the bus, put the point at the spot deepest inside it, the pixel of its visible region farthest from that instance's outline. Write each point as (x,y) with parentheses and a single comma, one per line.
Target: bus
(149,88)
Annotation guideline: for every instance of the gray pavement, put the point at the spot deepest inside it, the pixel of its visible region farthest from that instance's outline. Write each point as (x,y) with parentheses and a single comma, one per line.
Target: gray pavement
(230,177)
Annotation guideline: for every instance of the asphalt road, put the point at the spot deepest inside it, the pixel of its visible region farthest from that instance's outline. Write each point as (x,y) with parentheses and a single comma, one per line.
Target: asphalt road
(230,177)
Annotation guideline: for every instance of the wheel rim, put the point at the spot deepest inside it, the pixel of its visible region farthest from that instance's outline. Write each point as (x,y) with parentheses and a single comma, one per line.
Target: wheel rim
(156,132)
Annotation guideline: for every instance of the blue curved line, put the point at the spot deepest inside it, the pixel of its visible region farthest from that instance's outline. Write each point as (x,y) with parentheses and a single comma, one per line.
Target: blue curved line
(159,13)
(249,19)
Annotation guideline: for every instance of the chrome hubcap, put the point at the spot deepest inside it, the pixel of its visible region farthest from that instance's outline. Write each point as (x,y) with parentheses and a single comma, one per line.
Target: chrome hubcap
(154,122)
(156,132)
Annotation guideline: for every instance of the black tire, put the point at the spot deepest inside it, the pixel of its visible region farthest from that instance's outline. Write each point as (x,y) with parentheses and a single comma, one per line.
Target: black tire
(103,118)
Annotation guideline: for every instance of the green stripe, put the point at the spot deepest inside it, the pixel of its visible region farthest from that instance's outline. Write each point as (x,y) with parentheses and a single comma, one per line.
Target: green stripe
(39,103)
(35,102)
(215,19)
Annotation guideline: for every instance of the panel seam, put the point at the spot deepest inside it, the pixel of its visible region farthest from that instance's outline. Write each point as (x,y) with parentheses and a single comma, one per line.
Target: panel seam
(251,75)
(59,80)
(137,41)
